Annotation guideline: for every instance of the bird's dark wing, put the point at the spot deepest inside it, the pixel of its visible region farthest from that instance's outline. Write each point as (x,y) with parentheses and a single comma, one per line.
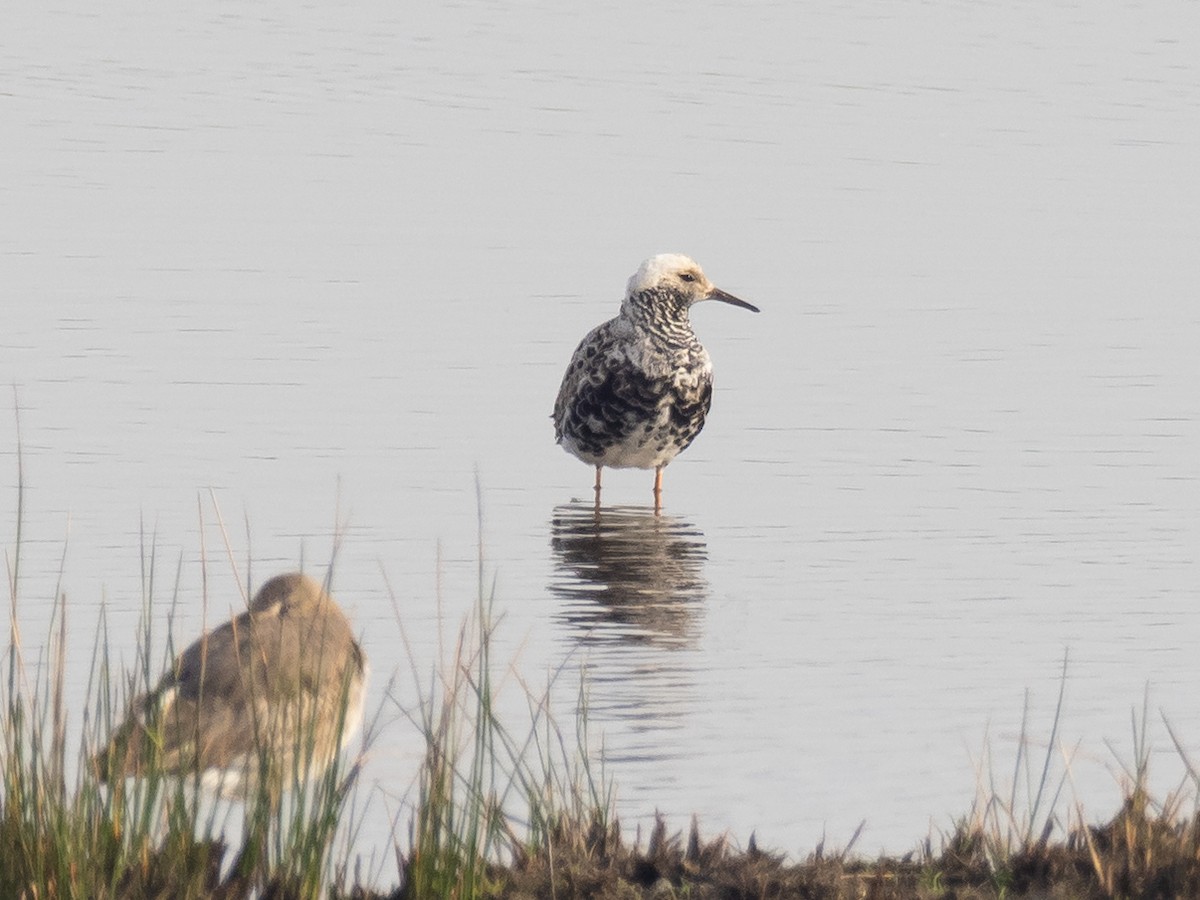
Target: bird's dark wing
(605,396)
(596,345)
(196,716)
(689,408)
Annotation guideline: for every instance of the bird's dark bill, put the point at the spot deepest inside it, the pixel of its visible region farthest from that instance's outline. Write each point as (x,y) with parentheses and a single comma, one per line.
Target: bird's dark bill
(718,294)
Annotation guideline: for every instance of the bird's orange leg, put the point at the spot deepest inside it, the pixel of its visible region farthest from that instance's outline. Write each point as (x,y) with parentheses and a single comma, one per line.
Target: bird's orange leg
(597,489)
(658,490)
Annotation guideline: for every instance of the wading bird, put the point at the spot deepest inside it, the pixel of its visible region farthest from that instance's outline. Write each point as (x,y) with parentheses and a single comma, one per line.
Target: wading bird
(639,386)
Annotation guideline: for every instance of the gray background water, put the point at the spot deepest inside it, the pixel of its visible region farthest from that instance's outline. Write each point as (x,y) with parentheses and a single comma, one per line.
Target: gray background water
(324,263)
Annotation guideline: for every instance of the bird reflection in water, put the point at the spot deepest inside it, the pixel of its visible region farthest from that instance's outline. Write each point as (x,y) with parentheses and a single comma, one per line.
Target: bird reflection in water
(628,575)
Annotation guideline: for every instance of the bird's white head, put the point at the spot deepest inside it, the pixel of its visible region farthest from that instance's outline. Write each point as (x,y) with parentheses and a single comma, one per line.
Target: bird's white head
(670,271)
(674,279)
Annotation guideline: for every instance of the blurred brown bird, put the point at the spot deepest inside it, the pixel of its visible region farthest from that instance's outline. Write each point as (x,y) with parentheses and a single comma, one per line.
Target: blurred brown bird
(278,691)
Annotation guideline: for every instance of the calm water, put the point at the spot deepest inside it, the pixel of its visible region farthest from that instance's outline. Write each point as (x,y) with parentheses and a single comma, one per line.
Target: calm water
(315,269)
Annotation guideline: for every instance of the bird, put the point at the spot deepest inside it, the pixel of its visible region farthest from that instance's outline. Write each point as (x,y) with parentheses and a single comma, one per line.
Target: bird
(276,691)
(639,386)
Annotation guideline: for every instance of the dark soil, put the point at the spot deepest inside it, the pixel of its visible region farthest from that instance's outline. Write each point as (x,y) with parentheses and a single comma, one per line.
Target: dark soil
(1139,855)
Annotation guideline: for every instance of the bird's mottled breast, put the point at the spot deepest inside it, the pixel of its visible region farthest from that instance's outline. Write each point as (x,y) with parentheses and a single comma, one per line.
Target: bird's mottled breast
(684,366)
(619,346)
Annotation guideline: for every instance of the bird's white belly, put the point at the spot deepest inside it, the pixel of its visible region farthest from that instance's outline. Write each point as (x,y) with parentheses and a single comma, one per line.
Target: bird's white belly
(648,446)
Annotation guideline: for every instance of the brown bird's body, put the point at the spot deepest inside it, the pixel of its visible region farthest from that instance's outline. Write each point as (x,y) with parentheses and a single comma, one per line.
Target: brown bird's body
(278,689)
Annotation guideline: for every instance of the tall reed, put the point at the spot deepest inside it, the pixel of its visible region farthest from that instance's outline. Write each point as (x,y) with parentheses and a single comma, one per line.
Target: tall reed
(488,795)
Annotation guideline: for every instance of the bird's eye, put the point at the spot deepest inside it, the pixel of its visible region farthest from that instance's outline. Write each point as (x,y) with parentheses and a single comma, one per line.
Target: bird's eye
(687,276)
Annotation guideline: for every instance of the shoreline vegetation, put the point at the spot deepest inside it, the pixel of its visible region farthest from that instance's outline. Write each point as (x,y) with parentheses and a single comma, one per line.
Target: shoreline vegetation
(519,815)
(508,814)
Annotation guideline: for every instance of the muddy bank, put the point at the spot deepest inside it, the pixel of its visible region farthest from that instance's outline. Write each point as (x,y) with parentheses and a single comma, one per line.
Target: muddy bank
(1140,853)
